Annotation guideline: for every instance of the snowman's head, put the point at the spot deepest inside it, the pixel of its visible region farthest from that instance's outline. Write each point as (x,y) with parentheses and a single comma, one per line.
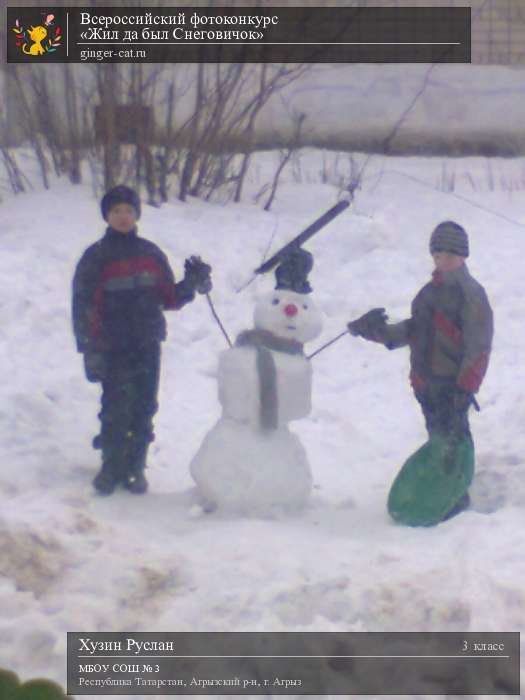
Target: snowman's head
(289,315)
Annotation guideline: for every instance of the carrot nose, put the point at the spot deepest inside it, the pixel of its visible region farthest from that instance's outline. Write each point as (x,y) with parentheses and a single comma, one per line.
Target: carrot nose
(290,310)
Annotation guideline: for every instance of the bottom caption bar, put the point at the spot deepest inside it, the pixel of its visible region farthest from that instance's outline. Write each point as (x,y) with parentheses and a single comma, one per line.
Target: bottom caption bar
(281,663)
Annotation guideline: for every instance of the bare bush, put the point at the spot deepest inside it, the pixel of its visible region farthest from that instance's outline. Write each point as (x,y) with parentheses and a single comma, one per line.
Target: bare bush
(185,129)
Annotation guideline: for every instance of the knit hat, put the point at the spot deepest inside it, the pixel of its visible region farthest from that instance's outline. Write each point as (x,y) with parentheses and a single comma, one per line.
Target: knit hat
(450,237)
(119,195)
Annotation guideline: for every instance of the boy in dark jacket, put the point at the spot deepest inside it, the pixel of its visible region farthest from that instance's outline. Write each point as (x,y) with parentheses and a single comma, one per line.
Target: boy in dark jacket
(121,285)
(449,334)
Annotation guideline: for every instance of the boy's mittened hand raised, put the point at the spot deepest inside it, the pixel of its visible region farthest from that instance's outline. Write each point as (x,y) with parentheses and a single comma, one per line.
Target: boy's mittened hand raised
(368,324)
(197,274)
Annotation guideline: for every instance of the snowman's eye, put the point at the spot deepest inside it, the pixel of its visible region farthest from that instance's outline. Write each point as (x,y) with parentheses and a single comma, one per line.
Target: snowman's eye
(305,306)
(275,301)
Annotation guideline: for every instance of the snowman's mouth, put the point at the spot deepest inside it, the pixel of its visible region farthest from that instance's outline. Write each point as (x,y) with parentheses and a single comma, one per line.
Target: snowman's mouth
(291,328)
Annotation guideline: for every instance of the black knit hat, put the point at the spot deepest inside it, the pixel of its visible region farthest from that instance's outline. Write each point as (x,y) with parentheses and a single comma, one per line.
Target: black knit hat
(450,237)
(119,195)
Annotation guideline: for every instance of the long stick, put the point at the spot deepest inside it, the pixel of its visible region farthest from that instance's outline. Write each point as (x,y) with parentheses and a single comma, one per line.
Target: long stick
(330,342)
(308,232)
(216,317)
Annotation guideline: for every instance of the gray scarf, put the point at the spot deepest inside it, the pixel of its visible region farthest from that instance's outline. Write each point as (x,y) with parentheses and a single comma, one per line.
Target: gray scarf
(263,342)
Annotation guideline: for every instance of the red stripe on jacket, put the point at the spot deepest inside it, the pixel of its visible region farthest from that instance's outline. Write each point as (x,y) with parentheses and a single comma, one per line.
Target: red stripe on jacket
(471,377)
(445,325)
(125,268)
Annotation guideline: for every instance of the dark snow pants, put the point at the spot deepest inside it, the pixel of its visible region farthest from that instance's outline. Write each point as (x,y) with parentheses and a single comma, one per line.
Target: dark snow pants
(441,416)
(129,402)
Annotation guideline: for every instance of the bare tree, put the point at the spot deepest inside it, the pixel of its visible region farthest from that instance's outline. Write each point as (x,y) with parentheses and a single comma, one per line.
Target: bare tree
(191,156)
(108,88)
(73,126)
(268,85)
(30,125)
(225,114)
(117,105)
(285,157)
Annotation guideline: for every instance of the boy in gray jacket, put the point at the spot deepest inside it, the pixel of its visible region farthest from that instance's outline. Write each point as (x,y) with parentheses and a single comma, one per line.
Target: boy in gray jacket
(449,334)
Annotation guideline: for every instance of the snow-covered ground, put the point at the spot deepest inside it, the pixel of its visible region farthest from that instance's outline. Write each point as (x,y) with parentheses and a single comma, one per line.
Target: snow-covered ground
(70,560)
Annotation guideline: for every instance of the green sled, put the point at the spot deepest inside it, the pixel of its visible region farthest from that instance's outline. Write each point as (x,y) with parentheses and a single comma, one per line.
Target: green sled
(432,481)
(35,689)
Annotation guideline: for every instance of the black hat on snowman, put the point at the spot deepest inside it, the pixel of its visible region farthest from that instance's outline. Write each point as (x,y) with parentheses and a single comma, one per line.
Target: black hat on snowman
(292,272)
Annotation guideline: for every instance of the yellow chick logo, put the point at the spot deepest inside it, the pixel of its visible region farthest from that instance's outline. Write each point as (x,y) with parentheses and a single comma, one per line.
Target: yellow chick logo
(39,40)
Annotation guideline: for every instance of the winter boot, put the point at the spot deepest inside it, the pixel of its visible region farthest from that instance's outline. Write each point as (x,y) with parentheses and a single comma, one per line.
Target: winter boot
(110,475)
(105,481)
(134,479)
(136,483)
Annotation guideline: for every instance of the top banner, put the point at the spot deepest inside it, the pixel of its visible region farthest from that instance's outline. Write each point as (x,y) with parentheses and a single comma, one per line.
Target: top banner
(238,35)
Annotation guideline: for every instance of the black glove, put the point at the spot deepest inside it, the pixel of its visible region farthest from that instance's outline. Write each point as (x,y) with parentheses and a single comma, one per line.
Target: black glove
(370,324)
(462,400)
(94,366)
(197,275)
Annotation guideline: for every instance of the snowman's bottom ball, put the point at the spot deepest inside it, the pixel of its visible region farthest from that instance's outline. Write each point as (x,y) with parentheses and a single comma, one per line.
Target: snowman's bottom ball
(244,469)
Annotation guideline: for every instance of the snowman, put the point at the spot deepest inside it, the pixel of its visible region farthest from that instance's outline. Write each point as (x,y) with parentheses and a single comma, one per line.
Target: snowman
(250,461)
